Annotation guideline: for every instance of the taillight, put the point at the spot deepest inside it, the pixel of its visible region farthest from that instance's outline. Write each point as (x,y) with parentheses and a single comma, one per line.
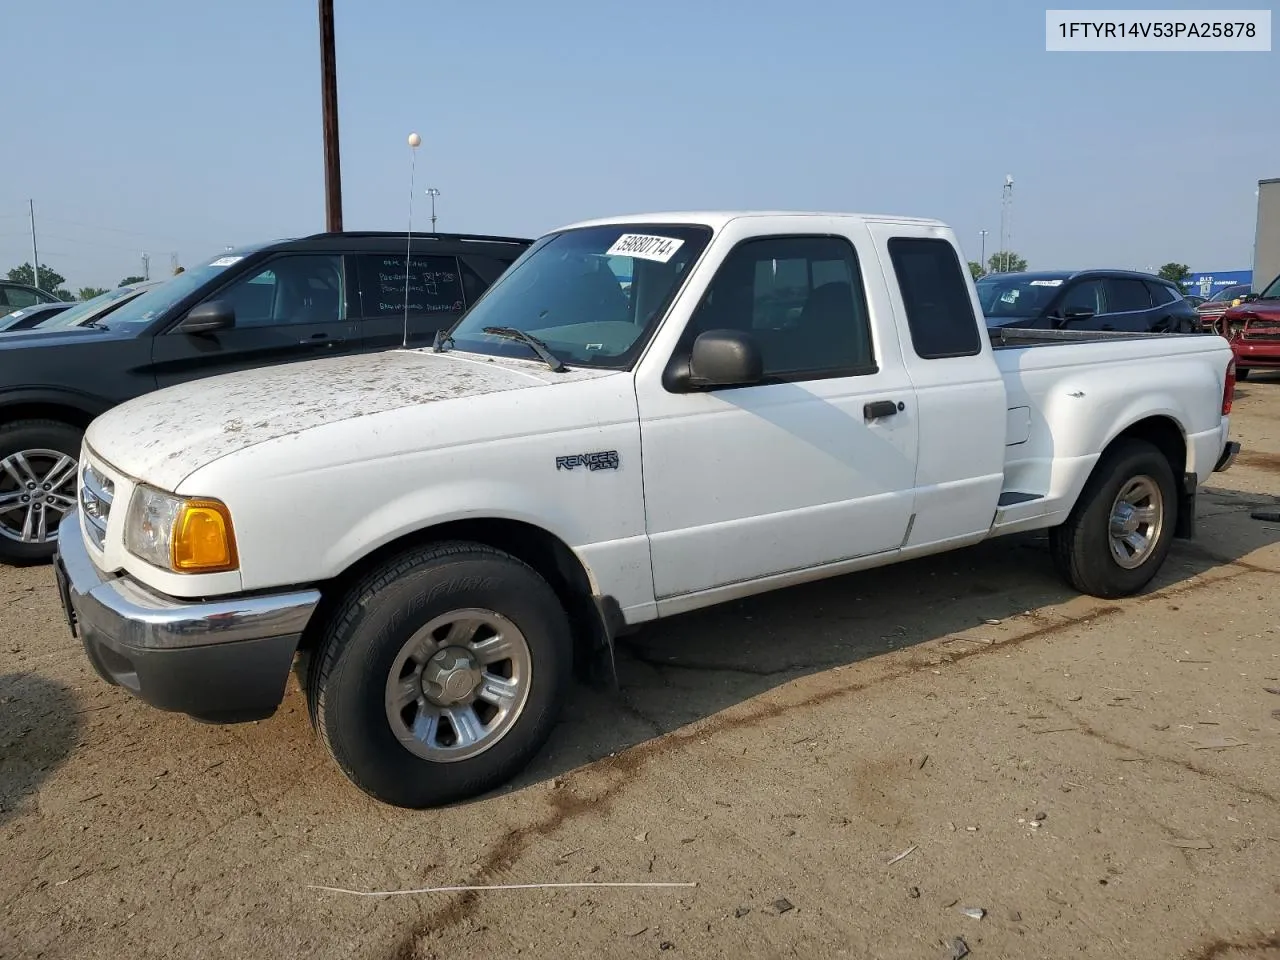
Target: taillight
(1229,388)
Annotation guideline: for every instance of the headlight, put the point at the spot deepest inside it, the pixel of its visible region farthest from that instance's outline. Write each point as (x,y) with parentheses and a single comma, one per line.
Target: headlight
(183,534)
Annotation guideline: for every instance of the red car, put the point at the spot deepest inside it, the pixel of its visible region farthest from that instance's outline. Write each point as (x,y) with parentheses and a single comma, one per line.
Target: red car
(1253,327)
(1211,310)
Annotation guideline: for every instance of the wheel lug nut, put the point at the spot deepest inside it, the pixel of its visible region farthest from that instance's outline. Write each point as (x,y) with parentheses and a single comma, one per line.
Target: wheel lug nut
(47,487)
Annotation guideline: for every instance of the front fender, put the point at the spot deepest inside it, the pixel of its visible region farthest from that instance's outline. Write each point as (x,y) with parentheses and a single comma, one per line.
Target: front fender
(438,504)
(84,404)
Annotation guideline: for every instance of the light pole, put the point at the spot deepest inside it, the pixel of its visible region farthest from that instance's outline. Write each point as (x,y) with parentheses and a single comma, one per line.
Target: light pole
(1006,222)
(35,256)
(432,192)
(329,111)
(982,261)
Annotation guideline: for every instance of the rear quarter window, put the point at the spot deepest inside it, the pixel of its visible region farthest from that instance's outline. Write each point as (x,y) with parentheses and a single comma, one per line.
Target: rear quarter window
(936,297)
(1126,295)
(1160,294)
(434,285)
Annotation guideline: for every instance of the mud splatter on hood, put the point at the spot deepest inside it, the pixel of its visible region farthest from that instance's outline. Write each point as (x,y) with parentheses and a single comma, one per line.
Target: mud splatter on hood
(162,437)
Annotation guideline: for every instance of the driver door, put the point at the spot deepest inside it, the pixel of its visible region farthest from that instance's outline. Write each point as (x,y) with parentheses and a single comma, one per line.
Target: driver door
(1081,296)
(292,307)
(792,473)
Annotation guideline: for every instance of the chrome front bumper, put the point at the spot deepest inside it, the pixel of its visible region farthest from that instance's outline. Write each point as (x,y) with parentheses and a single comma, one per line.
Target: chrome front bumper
(221,660)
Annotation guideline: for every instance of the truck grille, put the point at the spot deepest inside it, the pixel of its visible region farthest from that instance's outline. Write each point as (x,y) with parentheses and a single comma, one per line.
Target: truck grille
(96,493)
(1262,330)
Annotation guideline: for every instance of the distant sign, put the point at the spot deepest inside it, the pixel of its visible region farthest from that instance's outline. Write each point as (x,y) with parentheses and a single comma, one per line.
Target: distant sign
(1207,284)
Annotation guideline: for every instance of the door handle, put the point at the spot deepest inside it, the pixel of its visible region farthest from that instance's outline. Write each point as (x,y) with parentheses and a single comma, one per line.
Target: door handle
(881,408)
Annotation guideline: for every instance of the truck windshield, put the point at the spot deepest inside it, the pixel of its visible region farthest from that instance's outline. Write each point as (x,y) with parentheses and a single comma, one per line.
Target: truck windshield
(592,295)
(1006,296)
(1229,293)
(1272,292)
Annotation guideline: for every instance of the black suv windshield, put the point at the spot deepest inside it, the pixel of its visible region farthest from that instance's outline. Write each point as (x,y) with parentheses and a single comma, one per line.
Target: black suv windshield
(1017,295)
(592,295)
(144,309)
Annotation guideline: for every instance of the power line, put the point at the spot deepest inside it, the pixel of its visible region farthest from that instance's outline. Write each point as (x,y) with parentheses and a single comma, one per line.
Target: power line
(90,226)
(66,239)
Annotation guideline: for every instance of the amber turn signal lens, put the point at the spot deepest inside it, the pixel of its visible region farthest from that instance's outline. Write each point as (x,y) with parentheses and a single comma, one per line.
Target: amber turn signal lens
(203,541)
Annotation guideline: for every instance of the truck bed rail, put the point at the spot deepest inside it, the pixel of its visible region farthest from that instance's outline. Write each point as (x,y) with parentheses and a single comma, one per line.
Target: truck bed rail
(1003,338)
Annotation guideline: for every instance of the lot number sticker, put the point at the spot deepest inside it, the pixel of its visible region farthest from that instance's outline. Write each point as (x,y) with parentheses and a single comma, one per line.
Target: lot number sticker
(1046,283)
(645,247)
(225,261)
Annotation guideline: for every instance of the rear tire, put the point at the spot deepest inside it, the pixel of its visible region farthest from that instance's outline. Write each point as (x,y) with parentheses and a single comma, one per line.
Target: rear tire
(38,462)
(1120,530)
(441,674)
(1242,373)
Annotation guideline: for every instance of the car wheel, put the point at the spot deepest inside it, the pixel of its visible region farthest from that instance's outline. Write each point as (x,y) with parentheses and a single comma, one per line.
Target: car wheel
(1242,373)
(441,674)
(38,460)
(1119,532)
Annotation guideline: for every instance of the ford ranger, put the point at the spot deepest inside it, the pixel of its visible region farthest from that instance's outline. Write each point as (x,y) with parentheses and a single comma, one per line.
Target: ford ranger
(641,417)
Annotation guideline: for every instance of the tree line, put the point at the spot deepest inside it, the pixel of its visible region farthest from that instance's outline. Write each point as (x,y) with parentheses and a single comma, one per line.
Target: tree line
(53,282)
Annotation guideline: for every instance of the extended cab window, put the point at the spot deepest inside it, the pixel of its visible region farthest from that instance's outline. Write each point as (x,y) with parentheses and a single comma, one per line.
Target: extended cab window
(300,288)
(435,285)
(936,297)
(803,301)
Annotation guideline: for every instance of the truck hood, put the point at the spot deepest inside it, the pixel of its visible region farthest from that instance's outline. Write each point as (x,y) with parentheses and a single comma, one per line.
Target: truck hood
(163,437)
(1255,310)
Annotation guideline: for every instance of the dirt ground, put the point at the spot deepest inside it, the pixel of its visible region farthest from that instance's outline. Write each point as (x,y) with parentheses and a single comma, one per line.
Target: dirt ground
(1102,779)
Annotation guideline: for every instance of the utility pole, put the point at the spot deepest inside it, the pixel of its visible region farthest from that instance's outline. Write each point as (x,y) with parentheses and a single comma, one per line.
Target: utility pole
(35,256)
(146,265)
(982,262)
(432,192)
(1006,222)
(329,99)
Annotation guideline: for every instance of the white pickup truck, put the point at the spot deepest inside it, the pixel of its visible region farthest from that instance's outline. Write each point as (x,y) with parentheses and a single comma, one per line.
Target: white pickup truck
(643,416)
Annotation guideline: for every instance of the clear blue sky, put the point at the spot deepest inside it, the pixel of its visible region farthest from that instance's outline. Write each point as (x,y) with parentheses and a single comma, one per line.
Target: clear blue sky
(187,126)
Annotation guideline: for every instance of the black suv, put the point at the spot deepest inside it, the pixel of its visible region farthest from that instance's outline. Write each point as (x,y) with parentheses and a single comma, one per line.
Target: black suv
(14,296)
(1122,300)
(291,300)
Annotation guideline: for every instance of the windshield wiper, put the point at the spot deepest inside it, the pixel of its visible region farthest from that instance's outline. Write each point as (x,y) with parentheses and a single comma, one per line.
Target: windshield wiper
(538,347)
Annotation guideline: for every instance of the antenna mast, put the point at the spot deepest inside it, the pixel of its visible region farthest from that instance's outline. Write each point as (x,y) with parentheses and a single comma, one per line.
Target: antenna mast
(414,141)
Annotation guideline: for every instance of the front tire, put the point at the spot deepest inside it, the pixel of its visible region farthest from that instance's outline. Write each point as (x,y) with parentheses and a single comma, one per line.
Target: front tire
(441,674)
(1120,530)
(1242,373)
(38,475)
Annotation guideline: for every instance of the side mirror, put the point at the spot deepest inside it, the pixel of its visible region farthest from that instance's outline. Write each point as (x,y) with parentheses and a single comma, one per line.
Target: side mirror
(209,317)
(1249,298)
(720,358)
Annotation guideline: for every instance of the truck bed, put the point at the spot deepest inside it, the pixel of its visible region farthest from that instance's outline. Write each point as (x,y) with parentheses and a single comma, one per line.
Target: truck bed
(1004,338)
